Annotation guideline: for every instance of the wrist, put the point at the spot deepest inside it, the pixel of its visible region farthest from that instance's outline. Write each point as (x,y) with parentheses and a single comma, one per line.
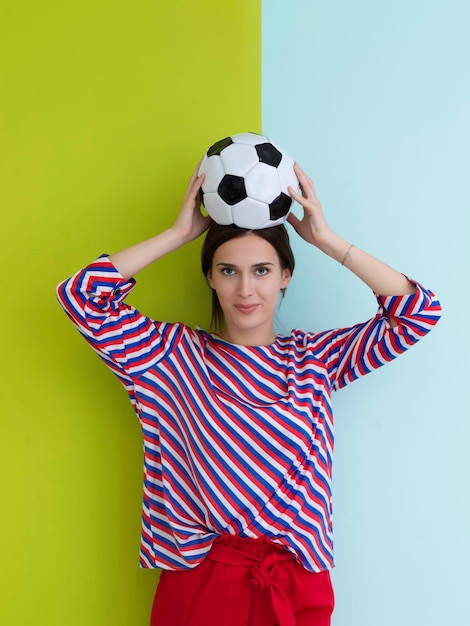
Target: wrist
(338,248)
(333,246)
(177,237)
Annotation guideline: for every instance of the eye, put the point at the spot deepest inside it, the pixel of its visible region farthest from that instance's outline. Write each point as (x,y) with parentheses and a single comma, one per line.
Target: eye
(262,271)
(227,271)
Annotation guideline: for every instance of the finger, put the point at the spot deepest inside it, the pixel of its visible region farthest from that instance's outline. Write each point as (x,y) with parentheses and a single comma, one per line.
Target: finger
(301,175)
(298,198)
(192,178)
(207,220)
(300,172)
(194,175)
(293,220)
(198,182)
(192,192)
(195,184)
(304,179)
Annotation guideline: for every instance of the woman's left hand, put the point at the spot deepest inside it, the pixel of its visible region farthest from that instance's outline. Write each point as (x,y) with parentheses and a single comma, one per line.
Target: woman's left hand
(313,227)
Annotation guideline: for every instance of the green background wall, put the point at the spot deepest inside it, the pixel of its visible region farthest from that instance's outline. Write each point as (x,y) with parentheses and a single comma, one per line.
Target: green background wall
(106,108)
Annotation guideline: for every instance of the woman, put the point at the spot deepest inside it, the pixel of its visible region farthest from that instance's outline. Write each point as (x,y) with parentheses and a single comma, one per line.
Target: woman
(237,424)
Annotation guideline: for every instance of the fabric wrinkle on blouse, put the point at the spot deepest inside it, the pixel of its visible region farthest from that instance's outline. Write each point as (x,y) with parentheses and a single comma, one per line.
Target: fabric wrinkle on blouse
(237,439)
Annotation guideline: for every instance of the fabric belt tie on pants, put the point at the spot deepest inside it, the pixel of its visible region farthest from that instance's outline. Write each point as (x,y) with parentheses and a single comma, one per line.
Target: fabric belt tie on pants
(260,570)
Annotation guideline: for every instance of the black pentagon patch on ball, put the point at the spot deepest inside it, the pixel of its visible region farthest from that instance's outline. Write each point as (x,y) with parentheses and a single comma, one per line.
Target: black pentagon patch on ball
(232,189)
(280,206)
(268,154)
(219,146)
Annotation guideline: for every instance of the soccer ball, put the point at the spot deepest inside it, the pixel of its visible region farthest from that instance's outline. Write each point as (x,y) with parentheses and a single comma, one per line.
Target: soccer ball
(246,180)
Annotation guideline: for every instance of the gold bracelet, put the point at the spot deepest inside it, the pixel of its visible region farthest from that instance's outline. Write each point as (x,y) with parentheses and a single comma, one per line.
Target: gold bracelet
(348,254)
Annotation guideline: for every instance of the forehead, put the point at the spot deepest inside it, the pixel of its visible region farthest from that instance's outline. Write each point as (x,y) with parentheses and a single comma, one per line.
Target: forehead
(248,248)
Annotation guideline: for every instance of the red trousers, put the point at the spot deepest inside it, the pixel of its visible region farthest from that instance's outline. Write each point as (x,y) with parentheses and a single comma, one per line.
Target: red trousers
(244,582)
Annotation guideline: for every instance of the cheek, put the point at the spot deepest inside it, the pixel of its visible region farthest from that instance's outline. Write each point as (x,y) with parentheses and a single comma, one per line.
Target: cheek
(221,288)
(271,291)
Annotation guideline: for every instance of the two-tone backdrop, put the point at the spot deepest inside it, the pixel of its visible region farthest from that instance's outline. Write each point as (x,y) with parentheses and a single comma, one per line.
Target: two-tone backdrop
(105,109)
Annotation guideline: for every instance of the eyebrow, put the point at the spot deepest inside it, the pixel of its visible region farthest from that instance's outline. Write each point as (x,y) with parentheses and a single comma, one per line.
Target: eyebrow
(232,265)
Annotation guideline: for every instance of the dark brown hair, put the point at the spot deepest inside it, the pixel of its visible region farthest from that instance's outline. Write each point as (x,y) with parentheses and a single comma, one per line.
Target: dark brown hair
(277,236)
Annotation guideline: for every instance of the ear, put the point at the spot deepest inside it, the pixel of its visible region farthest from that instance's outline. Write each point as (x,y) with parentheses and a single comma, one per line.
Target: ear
(286,276)
(209,279)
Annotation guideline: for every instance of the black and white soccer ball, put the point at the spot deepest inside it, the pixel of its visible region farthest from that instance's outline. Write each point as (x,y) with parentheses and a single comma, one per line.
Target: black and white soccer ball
(246,181)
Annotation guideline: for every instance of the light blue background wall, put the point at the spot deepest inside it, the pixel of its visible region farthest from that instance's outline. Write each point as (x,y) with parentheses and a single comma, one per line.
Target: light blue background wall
(373,100)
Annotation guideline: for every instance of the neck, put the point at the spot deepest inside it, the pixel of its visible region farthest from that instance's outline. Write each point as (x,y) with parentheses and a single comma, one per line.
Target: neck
(248,338)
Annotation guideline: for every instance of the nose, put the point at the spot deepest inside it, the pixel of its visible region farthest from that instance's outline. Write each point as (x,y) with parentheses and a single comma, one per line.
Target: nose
(245,286)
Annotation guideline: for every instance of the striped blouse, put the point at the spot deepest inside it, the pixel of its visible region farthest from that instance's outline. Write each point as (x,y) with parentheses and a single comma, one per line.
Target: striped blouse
(237,439)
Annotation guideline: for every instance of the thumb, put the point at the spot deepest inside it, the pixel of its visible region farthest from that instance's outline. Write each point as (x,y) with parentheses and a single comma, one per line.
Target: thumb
(294,221)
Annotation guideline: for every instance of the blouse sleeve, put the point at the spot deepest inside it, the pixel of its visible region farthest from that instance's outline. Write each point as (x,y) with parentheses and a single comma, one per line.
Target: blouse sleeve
(126,340)
(353,352)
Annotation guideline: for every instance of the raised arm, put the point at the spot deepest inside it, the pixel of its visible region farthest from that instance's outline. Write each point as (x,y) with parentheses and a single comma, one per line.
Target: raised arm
(313,227)
(189,225)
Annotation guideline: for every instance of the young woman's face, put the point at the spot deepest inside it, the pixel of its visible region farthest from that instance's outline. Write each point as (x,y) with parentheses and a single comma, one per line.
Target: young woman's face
(247,275)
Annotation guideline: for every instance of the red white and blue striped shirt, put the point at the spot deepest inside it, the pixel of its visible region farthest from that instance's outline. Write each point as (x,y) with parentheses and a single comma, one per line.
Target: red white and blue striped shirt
(237,439)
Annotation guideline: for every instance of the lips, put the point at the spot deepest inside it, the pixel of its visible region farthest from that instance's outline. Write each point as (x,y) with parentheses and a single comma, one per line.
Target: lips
(246,308)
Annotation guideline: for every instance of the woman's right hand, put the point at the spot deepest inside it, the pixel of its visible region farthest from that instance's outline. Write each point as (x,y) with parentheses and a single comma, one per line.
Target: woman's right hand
(191,223)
